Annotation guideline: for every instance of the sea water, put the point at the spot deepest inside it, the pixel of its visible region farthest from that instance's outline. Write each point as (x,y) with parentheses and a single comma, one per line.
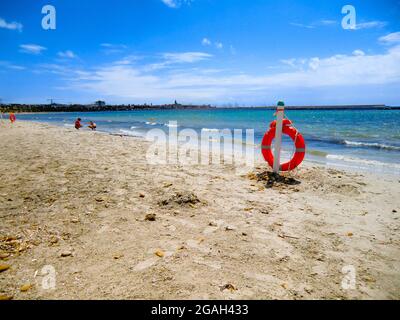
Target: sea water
(359,139)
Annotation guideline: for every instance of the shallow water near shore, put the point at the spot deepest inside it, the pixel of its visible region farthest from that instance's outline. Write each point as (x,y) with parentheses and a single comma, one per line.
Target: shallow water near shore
(355,139)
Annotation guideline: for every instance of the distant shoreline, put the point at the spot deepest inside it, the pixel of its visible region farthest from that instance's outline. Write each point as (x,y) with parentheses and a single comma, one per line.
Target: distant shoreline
(338,107)
(43,108)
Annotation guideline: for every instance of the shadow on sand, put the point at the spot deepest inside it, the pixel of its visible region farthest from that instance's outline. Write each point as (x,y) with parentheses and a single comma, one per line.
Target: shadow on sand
(271,179)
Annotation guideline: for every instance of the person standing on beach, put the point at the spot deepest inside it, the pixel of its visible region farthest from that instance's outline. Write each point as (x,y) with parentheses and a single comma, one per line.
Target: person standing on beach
(12,117)
(78,124)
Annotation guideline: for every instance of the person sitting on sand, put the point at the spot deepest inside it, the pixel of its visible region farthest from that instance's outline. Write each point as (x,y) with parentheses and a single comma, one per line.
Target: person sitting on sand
(12,117)
(78,124)
(92,125)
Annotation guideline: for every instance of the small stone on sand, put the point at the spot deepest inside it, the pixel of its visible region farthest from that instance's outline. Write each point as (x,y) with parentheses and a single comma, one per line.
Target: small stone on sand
(53,240)
(4,267)
(25,287)
(66,253)
(229,287)
(159,253)
(4,255)
(150,217)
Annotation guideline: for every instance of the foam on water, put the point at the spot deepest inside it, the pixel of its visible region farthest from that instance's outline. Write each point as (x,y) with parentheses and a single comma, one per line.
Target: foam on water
(131,133)
(171,125)
(370,145)
(210,130)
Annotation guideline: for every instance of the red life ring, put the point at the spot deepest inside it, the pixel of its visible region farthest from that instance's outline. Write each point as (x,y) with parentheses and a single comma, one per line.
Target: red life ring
(294,135)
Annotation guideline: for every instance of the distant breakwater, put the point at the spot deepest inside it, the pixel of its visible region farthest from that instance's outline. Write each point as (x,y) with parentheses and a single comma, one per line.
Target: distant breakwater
(93,108)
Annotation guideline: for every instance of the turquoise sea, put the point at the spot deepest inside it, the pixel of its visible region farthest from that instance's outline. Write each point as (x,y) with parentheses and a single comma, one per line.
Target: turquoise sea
(355,139)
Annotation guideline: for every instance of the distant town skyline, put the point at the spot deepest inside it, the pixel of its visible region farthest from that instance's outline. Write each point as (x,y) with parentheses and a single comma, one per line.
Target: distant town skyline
(216,52)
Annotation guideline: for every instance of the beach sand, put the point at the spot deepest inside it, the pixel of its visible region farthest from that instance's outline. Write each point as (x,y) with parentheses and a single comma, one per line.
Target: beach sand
(76,203)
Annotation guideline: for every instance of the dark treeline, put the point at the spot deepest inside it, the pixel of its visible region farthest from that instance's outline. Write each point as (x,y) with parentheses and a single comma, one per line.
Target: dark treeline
(91,108)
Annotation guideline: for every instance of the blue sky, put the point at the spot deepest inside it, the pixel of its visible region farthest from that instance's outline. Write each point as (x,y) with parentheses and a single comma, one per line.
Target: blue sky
(221,52)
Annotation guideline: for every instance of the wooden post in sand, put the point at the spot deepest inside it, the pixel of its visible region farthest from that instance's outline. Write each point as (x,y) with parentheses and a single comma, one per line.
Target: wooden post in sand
(278,136)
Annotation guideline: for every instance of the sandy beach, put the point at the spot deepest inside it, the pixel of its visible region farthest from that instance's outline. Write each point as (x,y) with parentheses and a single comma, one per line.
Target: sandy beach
(88,206)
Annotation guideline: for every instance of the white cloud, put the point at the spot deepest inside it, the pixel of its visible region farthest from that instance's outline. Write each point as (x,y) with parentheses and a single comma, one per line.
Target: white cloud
(110,48)
(10,25)
(314,63)
(127,60)
(170,3)
(175,3)
(295,63)
(186,57)
(290,62)
(16,67)
(53,68)
(327,22)
(67,54)
(193,84)
(9,65)
(370,24)
(111,45)
(301,25)
(358,53)
(390,38)
(205,42)
(32,48)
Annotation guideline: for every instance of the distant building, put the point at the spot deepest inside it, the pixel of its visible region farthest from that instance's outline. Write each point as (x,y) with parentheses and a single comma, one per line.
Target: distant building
(100,103)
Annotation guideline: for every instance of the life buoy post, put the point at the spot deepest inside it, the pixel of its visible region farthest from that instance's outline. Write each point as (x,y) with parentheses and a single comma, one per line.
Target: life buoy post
(276,129)
(278,136)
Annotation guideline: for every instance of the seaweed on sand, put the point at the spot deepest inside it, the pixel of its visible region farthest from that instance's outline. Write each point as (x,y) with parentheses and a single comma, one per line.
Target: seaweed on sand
(272,179)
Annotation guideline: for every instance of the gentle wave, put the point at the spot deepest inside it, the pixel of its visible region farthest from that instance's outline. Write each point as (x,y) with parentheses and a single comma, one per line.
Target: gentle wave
(362,161)
(210,130)
(151,123)
(373,145)
(131,133)
(171,125)
(370,145)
